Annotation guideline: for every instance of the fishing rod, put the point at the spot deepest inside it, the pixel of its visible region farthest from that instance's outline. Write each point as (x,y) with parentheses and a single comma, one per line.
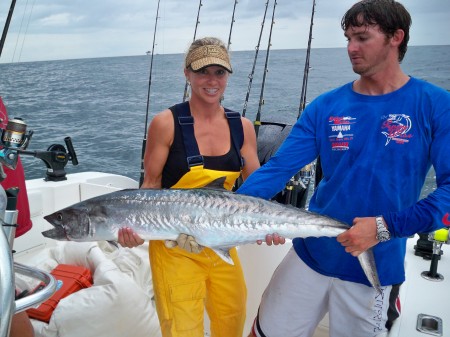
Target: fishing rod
(6,27)
(307,67)
(144,142)
(186,85)
(250,76)
(261,99)
(313,169)
(231,26)
(299,184)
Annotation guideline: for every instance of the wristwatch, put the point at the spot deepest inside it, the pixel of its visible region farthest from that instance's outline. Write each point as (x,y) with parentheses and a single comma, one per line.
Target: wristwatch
(382,231)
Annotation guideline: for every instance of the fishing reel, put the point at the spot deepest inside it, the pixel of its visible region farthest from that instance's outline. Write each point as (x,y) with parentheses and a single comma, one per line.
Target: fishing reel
(306,174)
(297,188)
(14,138)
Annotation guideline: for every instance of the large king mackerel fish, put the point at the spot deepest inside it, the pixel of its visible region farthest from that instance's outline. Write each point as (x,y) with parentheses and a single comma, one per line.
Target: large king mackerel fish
(216,218)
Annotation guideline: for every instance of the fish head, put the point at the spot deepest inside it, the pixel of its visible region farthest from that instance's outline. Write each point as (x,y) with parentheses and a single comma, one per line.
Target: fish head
(70,224)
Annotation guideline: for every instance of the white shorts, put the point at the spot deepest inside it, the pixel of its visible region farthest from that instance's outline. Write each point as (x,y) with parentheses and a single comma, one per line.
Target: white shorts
(297,298)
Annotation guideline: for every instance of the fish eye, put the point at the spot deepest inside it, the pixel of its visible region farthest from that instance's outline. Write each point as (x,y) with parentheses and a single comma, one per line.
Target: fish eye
(59,217)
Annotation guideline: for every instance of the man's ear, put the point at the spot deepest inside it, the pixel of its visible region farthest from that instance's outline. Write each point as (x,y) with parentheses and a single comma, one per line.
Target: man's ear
(398,37)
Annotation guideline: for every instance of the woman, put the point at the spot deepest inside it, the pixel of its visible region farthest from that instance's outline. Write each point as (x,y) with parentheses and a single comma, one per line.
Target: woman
(220,146)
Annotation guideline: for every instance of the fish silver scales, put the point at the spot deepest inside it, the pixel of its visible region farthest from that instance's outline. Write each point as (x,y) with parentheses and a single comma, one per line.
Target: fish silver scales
(216,218)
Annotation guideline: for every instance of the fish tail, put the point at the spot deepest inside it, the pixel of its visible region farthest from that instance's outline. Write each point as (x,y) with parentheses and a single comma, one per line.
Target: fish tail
(367,261)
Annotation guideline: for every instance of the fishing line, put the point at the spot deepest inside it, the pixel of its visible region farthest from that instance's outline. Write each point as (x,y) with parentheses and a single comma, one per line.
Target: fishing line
(250,76)
(261,97)
(186,85)
(26,31)
(20,30)
(144,142)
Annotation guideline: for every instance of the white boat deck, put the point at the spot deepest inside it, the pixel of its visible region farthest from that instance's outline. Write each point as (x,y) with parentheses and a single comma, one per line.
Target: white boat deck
(419,296)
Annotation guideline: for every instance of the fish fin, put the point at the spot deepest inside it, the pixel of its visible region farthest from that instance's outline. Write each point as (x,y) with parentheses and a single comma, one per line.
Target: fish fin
(113,244)
(224,254)
(100,210)
(217,184)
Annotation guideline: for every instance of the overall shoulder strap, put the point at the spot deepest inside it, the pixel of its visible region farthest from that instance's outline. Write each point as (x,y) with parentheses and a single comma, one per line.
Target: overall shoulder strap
(186,122)
(237,131)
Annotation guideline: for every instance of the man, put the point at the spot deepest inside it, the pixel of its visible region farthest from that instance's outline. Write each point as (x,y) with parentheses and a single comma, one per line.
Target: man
(377,137)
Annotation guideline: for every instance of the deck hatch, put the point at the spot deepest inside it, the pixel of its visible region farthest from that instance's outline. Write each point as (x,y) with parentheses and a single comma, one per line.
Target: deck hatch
(428,324)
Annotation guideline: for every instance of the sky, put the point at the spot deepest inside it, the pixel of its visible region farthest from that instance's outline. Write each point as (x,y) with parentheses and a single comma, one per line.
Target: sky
(69,29)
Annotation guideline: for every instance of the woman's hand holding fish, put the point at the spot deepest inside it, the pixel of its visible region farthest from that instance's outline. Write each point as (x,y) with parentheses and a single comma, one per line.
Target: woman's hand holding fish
(273,239)
(128,238)
(186,242)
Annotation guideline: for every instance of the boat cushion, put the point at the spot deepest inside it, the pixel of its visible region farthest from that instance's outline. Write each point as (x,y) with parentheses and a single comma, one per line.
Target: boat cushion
(118,304)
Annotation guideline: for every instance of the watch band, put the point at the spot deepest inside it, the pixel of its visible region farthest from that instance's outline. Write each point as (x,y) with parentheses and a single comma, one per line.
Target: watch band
(383,233)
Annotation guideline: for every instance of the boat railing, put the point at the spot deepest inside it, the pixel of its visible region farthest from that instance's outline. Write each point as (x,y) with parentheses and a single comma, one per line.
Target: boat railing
(7,285)
(48,289)
(8,305)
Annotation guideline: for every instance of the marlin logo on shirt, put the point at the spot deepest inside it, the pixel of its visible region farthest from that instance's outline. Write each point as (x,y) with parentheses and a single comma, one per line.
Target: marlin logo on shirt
(396,128)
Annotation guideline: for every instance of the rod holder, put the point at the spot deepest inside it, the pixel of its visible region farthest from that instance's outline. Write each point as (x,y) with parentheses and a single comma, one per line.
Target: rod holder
(438,238)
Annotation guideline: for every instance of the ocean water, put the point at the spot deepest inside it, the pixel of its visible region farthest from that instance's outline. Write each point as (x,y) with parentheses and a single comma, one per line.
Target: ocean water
(101,103)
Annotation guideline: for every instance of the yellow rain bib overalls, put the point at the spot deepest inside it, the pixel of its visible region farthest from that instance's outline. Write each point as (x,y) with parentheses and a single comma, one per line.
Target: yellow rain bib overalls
(185,283)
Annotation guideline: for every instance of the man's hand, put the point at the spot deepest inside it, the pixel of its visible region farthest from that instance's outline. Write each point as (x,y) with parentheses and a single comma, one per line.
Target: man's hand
(360,237)
(273,239)
(186,242)
(128,238)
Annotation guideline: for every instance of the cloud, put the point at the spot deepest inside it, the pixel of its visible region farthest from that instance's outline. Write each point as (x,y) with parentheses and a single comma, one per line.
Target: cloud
(60,20)
(47,29)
